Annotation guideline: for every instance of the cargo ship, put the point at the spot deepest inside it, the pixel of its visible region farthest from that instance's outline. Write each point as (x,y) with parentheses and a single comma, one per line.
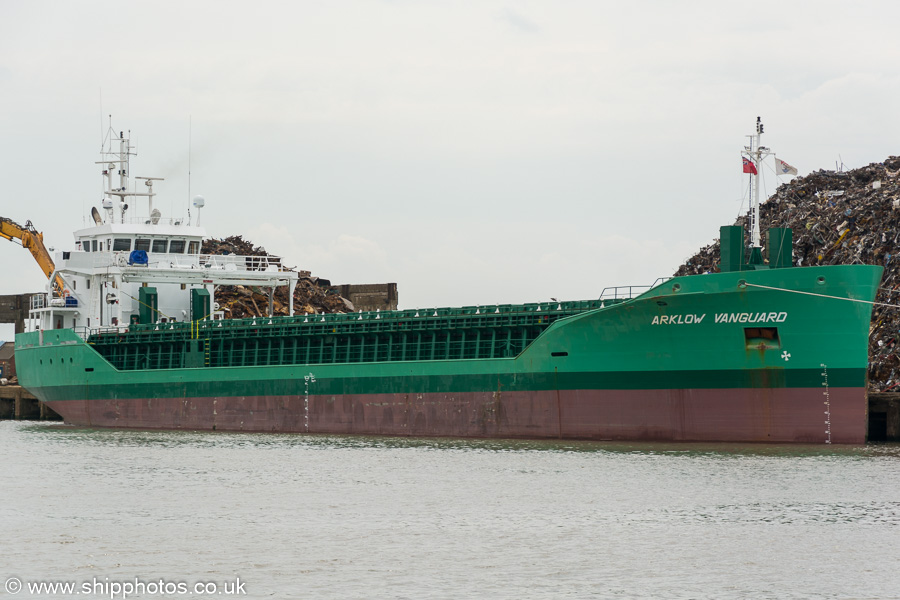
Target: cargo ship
(762,351)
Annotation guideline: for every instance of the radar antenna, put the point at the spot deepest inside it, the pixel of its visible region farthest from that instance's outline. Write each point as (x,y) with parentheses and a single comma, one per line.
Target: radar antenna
(199,202)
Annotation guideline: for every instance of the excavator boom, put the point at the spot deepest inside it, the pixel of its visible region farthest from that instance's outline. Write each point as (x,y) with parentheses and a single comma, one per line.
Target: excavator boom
(31,239)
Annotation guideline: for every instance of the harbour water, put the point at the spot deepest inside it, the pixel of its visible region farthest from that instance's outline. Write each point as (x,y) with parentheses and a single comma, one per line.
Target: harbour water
(291,516)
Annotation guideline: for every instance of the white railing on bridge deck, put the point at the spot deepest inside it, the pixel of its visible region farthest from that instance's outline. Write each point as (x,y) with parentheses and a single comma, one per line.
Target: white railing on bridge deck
(176,221)
(159,260)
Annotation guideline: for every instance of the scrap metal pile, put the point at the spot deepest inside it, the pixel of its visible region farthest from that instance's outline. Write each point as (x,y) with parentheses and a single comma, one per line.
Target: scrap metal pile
(841,217)
(312,295)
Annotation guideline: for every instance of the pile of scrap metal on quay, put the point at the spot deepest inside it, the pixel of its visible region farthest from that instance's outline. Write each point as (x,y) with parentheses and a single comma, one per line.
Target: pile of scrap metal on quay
(312,294)
(842,217)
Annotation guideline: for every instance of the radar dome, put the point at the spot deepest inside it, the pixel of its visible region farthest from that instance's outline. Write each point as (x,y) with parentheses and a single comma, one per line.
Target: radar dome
(199,201)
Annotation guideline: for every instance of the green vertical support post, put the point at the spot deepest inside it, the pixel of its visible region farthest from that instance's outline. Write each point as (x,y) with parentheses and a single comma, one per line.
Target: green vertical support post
(731,248)
(199,304)
(779,247)
(149,305)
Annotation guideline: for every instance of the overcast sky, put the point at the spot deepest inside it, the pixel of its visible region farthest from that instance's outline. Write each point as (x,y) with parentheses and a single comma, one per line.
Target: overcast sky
(472,152)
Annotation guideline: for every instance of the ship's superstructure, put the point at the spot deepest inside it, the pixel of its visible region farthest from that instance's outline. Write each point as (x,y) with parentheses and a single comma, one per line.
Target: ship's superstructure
(134,265)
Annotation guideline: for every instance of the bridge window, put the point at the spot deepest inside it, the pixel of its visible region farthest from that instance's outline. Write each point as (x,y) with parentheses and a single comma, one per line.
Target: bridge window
(142,245)
(86,245)
(94,245)
(121,244)
(194,248)
(160,246)
(176,247)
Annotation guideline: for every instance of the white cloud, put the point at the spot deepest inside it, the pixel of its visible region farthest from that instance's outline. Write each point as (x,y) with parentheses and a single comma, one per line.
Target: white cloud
(518,21)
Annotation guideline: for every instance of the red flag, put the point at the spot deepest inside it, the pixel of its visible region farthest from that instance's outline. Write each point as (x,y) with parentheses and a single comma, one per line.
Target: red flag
(749,167)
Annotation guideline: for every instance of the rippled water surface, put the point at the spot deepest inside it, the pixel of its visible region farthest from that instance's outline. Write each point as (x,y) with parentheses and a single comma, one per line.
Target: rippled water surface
(348,517)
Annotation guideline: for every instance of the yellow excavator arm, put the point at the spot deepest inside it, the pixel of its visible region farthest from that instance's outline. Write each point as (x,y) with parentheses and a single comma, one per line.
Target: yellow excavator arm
(29,237)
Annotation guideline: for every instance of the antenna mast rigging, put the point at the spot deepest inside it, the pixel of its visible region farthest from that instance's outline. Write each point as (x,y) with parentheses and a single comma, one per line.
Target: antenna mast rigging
(755,153)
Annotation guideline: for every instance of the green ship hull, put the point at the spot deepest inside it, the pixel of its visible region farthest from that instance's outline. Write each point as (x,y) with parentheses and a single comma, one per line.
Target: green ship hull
(774,355)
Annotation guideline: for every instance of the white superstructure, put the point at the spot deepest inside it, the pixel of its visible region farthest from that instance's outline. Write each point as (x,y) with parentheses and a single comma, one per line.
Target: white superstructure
(128,249)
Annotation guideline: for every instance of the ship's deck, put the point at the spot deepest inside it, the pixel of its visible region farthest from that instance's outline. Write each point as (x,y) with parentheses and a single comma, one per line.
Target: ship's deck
(473,332)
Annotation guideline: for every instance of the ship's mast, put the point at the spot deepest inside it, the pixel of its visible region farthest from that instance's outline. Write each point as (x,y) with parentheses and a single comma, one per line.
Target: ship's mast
(110,158)
(755,153)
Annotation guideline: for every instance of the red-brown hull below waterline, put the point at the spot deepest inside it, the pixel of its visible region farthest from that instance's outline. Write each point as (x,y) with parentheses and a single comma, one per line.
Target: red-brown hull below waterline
(725,415)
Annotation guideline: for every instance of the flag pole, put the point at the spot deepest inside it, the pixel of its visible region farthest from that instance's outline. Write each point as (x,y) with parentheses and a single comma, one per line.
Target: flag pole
(755,153)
